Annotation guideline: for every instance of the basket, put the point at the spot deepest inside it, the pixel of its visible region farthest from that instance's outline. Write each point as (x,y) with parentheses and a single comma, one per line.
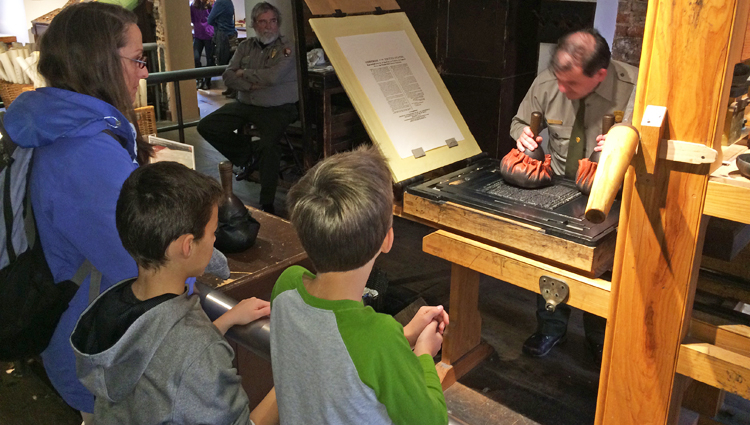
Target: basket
(146,118)
(10,91)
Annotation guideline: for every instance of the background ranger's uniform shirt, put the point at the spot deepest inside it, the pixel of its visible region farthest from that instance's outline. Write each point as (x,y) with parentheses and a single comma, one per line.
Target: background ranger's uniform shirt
(615,95)
(270,74)
(339,362)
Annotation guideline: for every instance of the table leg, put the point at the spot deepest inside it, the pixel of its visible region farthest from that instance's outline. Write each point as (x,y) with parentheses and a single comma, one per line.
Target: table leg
(463,348)
(465,329)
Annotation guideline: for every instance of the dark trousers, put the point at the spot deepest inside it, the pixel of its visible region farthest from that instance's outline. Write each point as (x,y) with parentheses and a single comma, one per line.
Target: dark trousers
(198,46)
(219,128)
(225,44)
(557,323)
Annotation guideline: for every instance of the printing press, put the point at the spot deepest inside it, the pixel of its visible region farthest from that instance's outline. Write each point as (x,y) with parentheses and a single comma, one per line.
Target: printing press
(538,238)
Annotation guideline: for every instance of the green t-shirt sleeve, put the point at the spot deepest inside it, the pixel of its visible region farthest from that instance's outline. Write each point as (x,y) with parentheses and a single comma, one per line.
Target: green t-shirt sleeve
(407,385)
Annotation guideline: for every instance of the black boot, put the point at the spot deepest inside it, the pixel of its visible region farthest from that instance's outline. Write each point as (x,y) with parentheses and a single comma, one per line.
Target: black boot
(539,345)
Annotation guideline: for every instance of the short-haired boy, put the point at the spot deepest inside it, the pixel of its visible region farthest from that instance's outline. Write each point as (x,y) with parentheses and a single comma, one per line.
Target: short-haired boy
(146,349)
(334,360)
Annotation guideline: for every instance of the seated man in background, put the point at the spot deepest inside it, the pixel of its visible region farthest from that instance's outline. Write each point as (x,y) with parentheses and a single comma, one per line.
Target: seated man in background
(264,73)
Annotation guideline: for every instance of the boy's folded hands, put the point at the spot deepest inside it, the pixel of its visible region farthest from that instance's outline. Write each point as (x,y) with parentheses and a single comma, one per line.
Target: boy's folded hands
(429,341)
(422,321)
(244,312)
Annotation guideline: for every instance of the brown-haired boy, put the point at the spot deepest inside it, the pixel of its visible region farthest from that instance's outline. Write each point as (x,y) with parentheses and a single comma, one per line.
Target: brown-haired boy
(146,349)
(334,360)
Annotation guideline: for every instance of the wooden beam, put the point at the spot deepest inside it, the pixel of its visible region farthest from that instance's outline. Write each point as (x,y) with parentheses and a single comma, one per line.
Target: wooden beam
(716,331)
(737,267)
(725,288)
(703,399)
(661,227)
(728,201)
(587,294)
(716,366)
(513,235)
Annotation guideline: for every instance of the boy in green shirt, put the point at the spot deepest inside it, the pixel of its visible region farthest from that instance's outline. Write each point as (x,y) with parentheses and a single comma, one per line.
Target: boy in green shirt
(334,360)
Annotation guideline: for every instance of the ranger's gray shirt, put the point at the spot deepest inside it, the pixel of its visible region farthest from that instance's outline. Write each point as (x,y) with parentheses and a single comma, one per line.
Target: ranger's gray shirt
(615,95)
(270,73)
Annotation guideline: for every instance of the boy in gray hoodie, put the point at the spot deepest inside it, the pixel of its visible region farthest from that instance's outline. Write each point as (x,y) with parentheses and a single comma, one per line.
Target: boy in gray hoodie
(146,349)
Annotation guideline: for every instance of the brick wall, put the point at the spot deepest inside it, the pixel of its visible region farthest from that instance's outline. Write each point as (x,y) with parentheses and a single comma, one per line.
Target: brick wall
(631,19)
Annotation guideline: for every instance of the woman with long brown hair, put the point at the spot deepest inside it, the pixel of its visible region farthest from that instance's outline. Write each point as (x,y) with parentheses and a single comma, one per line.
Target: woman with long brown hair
(84,148)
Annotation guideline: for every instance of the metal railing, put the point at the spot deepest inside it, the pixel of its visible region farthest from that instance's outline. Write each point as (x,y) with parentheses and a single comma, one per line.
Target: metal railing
(255,336)
(175,77)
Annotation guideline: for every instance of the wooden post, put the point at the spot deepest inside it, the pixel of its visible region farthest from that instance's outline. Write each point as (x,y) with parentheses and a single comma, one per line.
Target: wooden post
(465,330)
(689,51)
(178,54)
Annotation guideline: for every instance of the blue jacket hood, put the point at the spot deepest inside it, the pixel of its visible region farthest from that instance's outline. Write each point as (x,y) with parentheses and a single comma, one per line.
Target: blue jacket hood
(47,115)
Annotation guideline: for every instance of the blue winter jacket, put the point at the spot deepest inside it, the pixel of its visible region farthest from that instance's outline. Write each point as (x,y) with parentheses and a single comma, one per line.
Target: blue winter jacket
(77,173)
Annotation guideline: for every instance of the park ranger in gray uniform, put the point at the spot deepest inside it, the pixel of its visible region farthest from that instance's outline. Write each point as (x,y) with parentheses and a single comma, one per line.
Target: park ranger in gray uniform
(581,85)
(264,73)
(558,91)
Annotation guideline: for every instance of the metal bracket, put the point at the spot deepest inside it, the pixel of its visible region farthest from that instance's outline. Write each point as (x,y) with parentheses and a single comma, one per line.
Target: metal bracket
(553,291)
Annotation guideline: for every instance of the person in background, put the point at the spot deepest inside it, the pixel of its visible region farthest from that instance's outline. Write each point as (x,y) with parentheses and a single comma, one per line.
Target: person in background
(85,146)
(225,34)
(581,85)
(203,34)
(263,71)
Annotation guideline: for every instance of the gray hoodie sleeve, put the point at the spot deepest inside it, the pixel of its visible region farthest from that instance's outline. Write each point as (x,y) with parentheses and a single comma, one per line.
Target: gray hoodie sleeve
(210,390)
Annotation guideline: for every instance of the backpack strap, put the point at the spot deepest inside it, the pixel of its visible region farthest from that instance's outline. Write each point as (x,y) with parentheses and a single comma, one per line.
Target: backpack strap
(119,139)
(96,279)
(7,147)
(8,214)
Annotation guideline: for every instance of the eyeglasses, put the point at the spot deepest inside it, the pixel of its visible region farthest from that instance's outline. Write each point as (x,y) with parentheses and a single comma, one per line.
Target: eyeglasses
(142,61)
(264,22)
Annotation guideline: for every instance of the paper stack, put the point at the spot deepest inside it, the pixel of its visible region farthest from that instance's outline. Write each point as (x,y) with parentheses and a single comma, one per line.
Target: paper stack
(18,64)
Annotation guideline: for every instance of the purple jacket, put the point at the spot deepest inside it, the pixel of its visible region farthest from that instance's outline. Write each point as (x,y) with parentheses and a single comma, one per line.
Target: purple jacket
(199,18)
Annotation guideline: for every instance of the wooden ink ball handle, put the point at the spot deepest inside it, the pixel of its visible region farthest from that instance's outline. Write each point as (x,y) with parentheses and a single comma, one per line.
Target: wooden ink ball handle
(535,126)
(607,122)
(615,160)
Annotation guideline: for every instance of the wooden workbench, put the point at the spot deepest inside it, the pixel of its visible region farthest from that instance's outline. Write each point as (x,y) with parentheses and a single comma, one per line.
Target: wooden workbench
(253,274)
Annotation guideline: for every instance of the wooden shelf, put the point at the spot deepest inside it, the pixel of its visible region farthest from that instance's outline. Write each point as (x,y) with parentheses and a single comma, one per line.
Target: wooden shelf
(728,193)
(715,366)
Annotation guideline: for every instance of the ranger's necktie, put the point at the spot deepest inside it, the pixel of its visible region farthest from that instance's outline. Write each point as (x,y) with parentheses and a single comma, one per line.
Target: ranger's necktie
(577,143)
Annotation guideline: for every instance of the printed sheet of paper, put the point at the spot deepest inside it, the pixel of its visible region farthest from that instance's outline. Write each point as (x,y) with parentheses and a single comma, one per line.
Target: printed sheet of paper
(169,150)
(401,91)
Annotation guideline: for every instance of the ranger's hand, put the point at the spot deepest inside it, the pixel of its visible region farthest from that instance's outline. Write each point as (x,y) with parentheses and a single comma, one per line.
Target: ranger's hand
(600,139)
(526,141)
